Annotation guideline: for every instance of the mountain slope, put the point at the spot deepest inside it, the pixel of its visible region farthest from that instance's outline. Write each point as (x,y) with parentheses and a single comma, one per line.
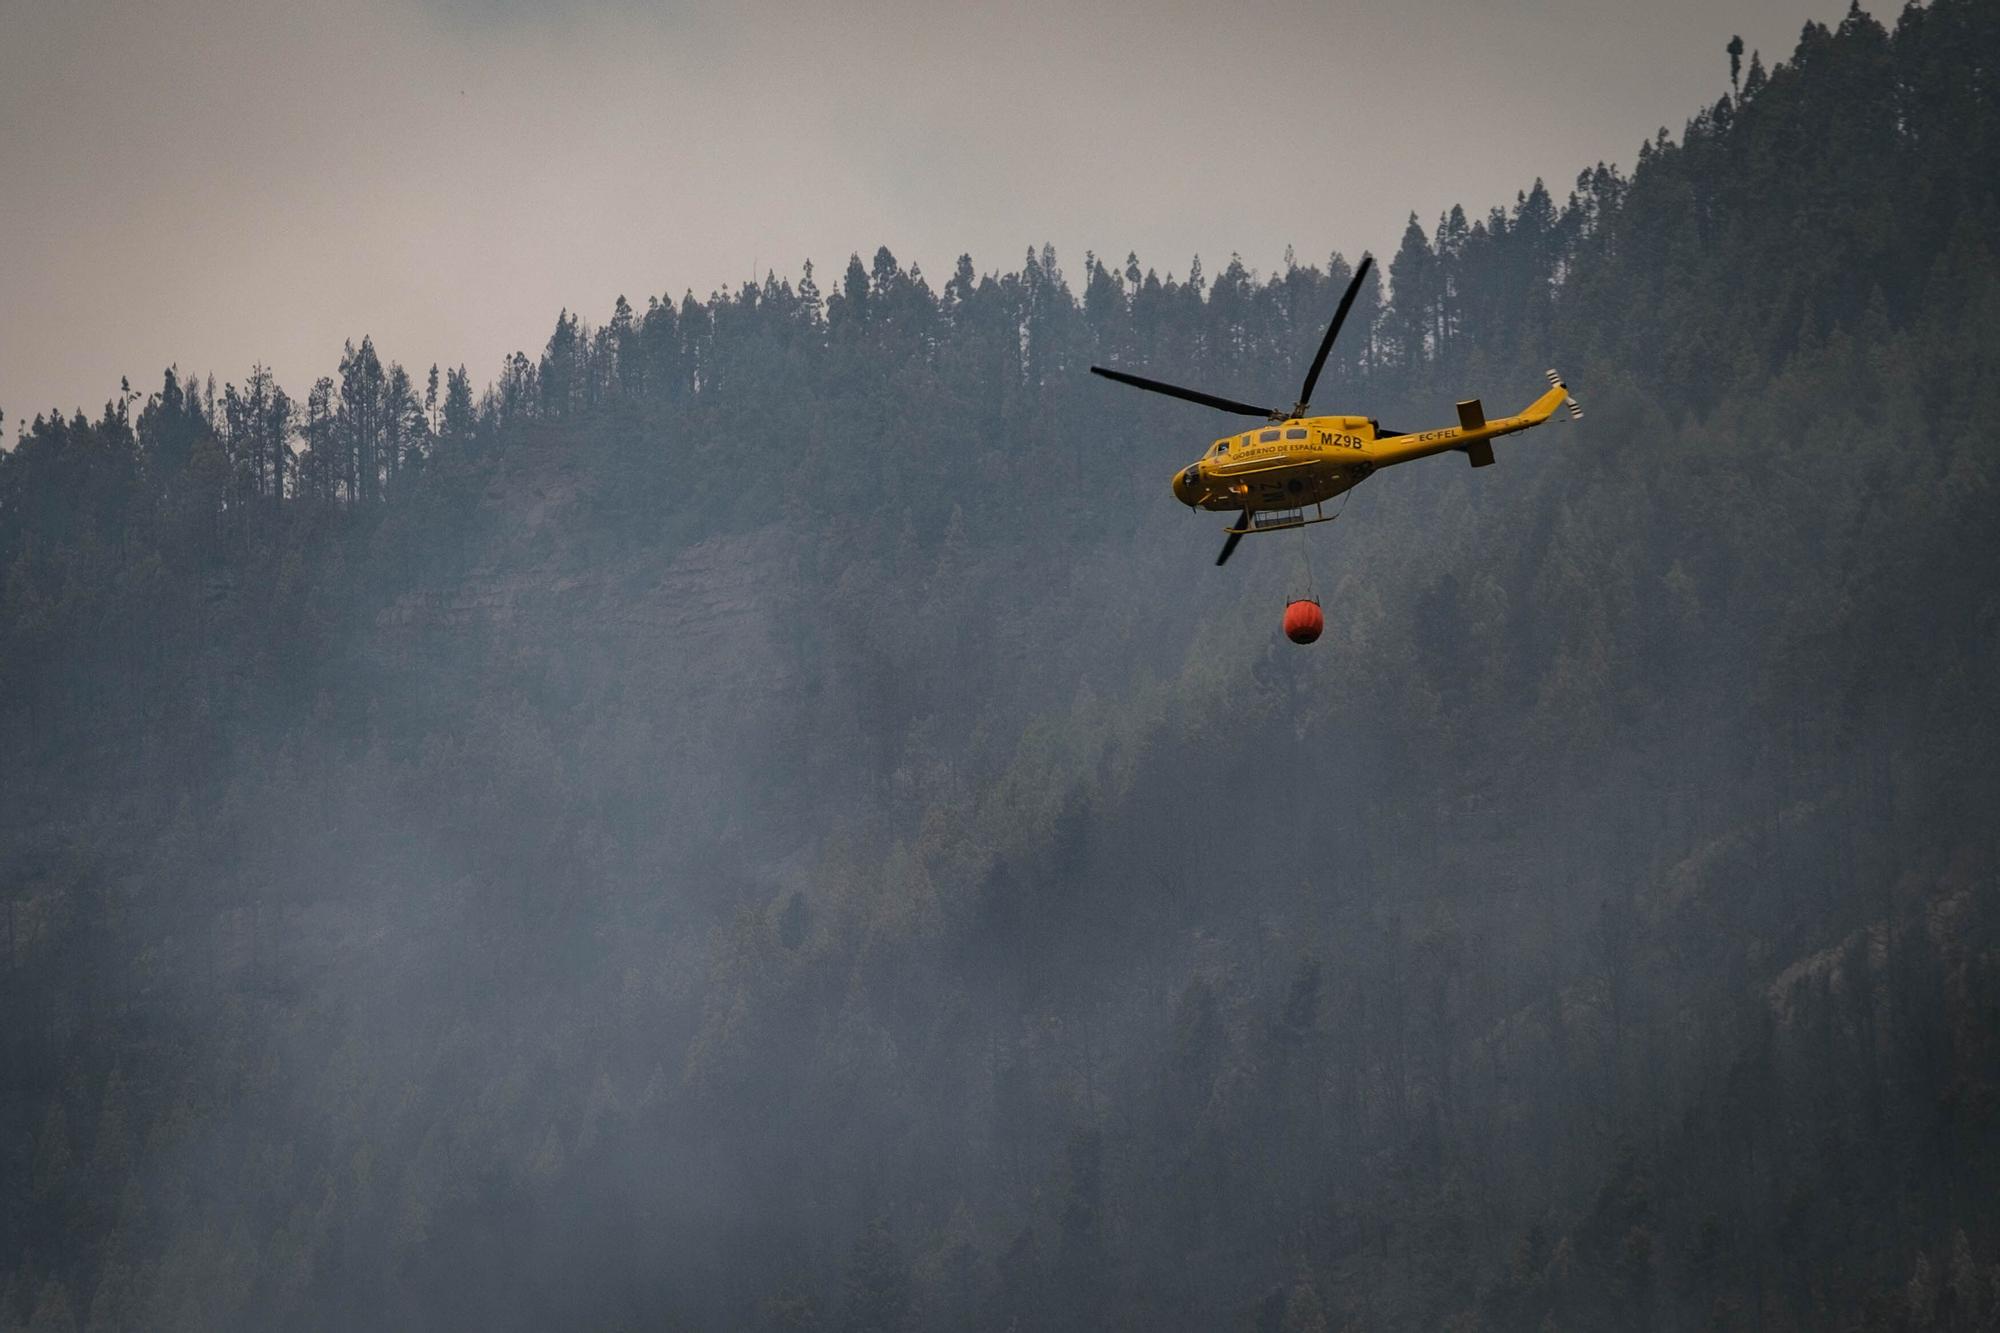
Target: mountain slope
(771,818)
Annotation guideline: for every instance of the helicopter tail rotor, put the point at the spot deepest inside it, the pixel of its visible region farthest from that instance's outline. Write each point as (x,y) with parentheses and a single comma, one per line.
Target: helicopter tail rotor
(1569,400)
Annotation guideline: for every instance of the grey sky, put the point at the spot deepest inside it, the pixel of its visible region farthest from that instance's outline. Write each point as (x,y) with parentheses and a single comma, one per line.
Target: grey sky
(214,182)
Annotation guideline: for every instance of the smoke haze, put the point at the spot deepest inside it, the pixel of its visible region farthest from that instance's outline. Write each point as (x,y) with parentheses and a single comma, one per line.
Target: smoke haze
(217,182)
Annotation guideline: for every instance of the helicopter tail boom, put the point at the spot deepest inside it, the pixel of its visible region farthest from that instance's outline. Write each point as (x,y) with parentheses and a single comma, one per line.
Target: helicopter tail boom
(1474,434)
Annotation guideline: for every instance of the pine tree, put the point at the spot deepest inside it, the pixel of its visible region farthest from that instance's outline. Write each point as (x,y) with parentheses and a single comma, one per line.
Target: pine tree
(1412,320)
(1081,1259)
(52,1154)
(457,420)
(1303,1311)
(878,1282)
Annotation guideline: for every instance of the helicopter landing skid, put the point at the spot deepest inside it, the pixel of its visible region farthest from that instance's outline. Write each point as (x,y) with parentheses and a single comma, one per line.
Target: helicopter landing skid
(1279,520)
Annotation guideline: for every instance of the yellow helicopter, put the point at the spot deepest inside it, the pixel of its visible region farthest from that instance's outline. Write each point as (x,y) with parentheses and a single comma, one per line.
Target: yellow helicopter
(1272,474)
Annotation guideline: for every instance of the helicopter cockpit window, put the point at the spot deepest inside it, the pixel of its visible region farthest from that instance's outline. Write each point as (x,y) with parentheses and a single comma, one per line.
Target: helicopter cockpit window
(1296,433)
(1221,447)
(1269,436)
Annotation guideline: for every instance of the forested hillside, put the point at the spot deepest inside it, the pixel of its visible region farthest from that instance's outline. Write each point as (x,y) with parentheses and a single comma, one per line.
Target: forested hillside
(767,816)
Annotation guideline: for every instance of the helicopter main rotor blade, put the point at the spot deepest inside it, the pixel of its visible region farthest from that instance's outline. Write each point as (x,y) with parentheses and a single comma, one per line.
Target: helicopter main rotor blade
(1332,332)
(1190,395)
(1235,536)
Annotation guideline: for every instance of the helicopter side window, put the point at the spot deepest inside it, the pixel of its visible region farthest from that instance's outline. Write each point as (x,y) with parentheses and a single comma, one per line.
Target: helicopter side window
(1296,433)
(1221,448)
(1269,436)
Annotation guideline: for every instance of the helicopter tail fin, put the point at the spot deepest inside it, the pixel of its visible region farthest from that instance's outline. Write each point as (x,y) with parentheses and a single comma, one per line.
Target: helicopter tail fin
(1472,417)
